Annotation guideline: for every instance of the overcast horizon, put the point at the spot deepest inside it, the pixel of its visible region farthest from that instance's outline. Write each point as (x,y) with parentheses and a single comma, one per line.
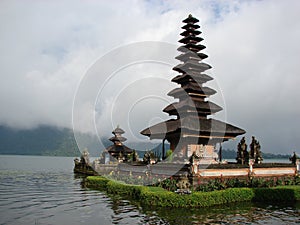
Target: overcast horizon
(48,49)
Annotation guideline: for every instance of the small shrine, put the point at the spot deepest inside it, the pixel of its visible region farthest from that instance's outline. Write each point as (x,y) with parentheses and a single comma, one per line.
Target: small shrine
(118,151)
(193,132)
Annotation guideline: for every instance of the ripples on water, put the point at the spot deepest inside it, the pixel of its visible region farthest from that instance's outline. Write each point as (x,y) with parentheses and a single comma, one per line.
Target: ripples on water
(43,190)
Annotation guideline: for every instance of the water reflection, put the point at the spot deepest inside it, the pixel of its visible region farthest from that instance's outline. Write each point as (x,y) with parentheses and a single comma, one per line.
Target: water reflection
(239,213)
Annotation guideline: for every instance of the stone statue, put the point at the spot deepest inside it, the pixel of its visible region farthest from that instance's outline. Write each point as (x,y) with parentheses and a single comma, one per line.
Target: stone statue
(133,157)
(150,158)
(255,152)
(121,158)
(253,148)
(258,155)
(294,158)
(242,154)
(84,159)
(183,185)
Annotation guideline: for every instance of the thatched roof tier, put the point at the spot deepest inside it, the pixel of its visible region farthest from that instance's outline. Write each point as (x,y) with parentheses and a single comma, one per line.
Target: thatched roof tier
(118,147)
(190,19)
(191,47)
(191,90)
(190,66)
(189,55)
(118,130)
(190,26)
(190,32)
(192,77)
(197,87)
(118,139)
(190,39)
(115,150)
(208,128)
(192,105)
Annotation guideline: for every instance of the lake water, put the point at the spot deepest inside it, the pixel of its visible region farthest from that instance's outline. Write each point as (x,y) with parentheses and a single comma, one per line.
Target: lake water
(44,190)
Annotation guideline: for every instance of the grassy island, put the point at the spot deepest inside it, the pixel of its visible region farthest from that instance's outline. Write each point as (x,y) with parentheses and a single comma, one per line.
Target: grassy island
(157,196)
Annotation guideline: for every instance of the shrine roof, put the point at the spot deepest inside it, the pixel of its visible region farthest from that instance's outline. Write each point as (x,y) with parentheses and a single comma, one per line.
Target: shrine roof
(191,47)
(190,19)
(118,148)
(192,124)
(187,66)
(190,38)
(191,55)
(198,77)
(190,26)
(190,32)
(189,88)
(120,139)
(118,131)
(193,104)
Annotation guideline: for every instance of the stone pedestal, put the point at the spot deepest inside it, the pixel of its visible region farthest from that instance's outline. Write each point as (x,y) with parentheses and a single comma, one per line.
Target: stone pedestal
(205,153)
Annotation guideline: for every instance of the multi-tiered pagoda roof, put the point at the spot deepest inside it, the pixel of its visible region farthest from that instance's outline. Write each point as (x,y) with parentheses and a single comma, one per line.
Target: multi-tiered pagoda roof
(118,148)
(192,125)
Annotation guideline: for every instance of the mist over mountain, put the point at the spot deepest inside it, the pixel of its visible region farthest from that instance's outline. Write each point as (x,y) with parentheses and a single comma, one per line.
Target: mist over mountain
(44,140)
(53,141)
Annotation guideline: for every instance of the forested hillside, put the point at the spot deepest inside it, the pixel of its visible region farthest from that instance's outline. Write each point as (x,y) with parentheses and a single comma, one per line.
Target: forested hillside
(40,141)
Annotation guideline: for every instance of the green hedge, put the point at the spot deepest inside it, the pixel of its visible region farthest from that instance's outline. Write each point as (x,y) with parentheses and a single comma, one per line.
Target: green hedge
(277,194)
(97,182)
(157,196)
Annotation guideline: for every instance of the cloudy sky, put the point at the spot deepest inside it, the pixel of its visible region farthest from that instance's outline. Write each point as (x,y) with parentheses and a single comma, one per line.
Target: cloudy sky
(51,51)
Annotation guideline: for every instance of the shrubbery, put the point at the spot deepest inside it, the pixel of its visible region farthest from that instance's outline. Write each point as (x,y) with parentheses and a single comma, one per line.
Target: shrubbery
(158,196)
(221,184)
(168,183)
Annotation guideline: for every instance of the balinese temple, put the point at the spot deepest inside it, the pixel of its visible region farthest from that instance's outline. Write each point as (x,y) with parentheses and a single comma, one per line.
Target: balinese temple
(118,150)
(192,131)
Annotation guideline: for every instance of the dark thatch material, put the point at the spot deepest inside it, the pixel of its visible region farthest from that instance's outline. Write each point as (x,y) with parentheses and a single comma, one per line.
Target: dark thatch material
(198,77)
(116,150)
(190,39)
(190,19)
(190,26)
(189,66)
(191,56)
(192,105)
(190,90)
(188,124)
(190,32)
(118,139)
(191,47)
(118,131)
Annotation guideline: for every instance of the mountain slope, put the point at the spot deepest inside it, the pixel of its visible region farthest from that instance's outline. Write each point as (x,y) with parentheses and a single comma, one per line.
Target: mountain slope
(43,140)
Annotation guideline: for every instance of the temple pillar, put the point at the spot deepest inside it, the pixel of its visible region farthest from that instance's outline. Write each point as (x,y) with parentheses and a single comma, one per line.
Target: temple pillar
(172,146)
(163,150)
(220,152)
